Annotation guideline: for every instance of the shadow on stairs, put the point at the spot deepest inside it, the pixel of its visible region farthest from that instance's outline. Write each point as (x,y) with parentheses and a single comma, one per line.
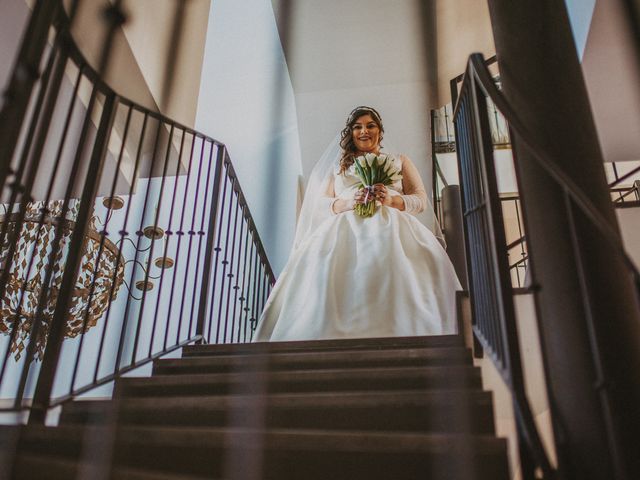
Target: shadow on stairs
(386,408)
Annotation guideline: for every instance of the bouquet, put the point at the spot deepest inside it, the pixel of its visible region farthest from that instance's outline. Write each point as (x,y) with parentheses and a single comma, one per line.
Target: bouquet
(372,169)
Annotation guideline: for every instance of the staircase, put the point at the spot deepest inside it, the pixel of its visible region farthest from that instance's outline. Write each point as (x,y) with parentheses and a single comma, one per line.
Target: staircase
(393,408)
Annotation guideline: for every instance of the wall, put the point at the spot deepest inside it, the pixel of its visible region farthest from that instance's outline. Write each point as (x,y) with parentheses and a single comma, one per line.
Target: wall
(464,27)
(246,101)
(629,220)
(12,21)
(345,53)
(612,75)
(149,33)
(531,358)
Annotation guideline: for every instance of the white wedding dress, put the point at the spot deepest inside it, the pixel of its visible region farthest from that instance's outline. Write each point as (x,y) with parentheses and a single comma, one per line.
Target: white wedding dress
(382,276)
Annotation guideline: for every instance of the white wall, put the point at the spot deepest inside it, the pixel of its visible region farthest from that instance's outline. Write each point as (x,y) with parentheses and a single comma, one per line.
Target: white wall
(345,53)
(246,101)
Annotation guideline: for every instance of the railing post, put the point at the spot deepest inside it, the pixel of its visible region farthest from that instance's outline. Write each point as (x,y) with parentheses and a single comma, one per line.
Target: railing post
(25,74)
(205,298)
(434,173)
(589,321)
(50,360)
(452,223)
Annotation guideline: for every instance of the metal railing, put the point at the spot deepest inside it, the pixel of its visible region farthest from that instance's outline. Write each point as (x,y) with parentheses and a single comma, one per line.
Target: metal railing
(624,184)
(123,235)
(490,287)
(493,321)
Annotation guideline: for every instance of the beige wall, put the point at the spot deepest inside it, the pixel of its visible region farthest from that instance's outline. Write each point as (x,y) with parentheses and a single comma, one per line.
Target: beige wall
(140,50)
(629,220)
(149,35)
(535,386)
(463,27)
(612,76)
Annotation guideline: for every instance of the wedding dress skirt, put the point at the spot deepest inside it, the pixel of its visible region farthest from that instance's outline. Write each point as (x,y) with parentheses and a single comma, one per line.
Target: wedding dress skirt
(382,276)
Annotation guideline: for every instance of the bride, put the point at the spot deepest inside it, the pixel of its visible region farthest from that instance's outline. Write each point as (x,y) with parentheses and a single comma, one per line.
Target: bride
(351,276)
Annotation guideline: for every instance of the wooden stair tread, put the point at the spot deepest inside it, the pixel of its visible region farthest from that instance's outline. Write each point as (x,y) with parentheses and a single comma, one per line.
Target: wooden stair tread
(403,408)
(317,360)
(456,376)
(432,341)
(57,468)
(454,411)
(302,439)
(289,454)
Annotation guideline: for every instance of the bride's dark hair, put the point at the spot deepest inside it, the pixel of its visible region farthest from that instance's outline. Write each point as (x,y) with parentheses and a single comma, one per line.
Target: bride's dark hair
(346,138)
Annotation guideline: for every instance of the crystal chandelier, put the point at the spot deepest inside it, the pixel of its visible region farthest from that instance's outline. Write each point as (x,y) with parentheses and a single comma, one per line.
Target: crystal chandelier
(100,275)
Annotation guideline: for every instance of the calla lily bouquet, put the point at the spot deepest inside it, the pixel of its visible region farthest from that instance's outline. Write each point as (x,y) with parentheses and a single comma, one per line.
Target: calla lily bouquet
(372,169)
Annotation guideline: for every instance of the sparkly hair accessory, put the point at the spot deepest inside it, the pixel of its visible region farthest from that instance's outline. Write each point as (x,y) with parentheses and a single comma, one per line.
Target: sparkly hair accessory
(361,108)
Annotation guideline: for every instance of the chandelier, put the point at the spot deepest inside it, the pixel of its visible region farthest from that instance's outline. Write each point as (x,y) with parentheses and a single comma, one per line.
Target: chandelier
(100,275)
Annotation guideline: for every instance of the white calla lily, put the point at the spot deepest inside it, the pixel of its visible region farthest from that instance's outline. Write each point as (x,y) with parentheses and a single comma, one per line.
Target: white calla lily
(370,157)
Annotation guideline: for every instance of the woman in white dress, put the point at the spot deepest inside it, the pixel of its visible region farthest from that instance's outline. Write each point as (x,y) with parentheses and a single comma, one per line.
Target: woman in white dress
(349,276)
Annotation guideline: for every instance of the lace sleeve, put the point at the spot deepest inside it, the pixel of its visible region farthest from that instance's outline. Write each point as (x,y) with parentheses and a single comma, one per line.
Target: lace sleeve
(415,195)
(329,197)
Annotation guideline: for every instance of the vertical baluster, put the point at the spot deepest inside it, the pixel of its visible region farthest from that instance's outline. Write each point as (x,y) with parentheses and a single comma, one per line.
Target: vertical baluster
(135,262)
(156,218)
(446,124)
(23,78)
(262,287)
(179,234)
(254,297)
(230,274)
(191,232)
(51,356)
(523,255)
(236,288)
(122,232)
(243,294)
(169,234)
(469,194)
(31,157)
(225,261)
(56,165)
(248,295)
(205,296)
(480,224)
(218,249)
(201,233)
(55,256)
(97,261)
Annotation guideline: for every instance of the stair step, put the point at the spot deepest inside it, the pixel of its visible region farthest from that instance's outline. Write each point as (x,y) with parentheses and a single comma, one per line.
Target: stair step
(312,455)
(432,341)
(425,411)
(403,378)
(30,466)
(315,360)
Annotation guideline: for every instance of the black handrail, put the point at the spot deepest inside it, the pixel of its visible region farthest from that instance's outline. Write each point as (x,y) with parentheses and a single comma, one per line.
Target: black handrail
(60,271)
(493,319)
(478,83)
(627,175)
(476,62)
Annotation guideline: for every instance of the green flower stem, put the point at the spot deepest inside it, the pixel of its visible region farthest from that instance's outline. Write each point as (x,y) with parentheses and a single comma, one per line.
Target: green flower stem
(366,209)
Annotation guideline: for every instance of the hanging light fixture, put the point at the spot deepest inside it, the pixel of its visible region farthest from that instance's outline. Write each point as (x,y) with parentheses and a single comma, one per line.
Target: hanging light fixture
(99,278)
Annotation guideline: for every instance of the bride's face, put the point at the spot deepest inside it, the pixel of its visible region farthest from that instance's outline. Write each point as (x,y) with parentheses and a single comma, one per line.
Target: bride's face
(366,134)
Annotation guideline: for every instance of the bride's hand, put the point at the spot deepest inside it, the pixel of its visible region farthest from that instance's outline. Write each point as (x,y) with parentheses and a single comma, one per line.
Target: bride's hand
(382,194)
(359,196)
